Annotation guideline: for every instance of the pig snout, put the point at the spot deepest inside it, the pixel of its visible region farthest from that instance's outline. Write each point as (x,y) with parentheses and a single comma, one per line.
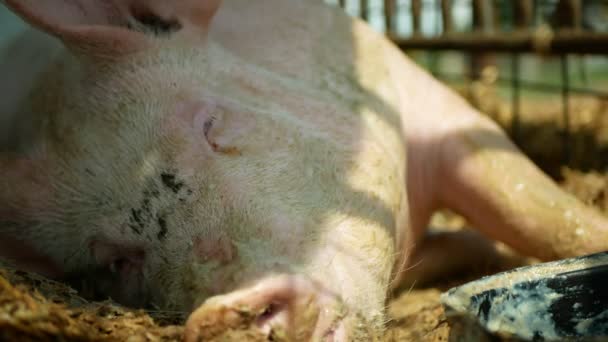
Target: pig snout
(280,308)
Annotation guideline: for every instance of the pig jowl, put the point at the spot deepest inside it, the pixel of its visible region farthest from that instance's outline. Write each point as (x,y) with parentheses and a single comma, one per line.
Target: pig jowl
(263,163)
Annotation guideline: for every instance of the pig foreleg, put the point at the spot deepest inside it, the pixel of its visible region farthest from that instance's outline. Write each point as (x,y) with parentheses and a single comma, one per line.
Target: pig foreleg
(485,177)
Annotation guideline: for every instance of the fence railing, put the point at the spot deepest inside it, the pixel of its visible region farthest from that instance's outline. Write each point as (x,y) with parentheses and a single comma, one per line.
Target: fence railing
(513,27)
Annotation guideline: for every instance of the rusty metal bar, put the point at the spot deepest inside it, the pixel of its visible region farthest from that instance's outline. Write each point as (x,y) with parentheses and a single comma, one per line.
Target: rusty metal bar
(515,97)
(481,23)
(416,12)
(566,108)
(364,8)
(523,11)
(577,14)
(389,10)
(480,17)
(563,42)
(568,14)
(446,16)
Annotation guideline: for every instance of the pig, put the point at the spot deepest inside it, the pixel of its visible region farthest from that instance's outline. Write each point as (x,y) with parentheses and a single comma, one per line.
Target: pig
(274,158)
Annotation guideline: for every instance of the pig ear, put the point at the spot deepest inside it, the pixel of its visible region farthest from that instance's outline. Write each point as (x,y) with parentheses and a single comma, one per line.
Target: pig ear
(97,27)
(115,26)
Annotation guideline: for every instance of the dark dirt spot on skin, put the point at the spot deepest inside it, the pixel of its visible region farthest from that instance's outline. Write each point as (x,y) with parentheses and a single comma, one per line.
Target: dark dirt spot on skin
(170,181)
(136,222)
(141,216)
(145,205)
(162,223)
(148,213)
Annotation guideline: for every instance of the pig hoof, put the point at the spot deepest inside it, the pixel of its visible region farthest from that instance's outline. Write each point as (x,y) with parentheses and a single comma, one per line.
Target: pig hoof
(283,308)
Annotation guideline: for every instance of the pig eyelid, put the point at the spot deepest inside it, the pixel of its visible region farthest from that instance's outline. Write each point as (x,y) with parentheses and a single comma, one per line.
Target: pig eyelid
(268,313)
(207,126)
(147,22)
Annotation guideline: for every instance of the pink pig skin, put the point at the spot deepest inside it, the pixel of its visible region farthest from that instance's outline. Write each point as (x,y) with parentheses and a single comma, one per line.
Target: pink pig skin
(272,156)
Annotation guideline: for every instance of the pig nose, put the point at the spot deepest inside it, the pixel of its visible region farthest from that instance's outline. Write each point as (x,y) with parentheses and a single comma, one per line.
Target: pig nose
(281,308)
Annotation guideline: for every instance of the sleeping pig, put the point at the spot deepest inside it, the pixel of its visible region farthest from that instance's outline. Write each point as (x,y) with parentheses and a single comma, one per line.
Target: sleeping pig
(274,159)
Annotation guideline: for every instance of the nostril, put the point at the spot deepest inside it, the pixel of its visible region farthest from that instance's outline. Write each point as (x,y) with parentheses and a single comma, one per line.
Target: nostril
(270,312)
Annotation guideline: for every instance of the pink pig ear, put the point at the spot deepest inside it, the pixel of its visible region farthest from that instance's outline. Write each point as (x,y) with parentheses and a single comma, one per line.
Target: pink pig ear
(115,26)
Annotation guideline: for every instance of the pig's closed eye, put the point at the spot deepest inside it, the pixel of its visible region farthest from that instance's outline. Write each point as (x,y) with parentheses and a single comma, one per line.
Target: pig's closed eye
(148,22)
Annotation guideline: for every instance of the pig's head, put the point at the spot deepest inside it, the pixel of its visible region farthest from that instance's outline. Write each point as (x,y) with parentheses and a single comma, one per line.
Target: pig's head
(151,161)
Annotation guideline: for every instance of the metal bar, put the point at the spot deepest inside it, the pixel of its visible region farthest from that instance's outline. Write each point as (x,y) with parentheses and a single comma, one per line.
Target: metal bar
(482,23)
(482,15)
(416,10)
(364,8)
(577,14)
(569,14)
(563,42)
(515,97)
(342,3)
(389,10)
(522,17)
(582,69)
(565,108)
(437,17)
(446,16)
(535,11)
(523,11)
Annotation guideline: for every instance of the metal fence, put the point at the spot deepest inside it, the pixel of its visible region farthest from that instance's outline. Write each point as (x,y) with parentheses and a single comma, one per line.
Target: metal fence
(514,27)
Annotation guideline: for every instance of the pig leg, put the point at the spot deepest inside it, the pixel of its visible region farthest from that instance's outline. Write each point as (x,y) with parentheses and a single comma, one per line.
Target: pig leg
(505,196)
(472,168)
(459,159)
(446,253)
(443,254)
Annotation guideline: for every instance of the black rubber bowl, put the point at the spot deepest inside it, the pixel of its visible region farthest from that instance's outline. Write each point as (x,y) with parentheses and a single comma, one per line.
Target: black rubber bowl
(555,301)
